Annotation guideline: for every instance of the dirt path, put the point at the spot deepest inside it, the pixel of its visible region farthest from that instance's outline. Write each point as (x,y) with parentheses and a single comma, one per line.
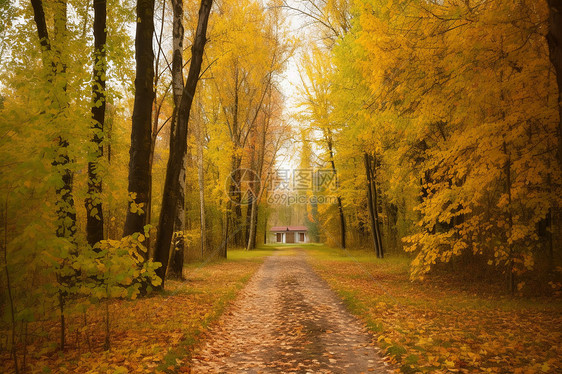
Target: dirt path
(287,320)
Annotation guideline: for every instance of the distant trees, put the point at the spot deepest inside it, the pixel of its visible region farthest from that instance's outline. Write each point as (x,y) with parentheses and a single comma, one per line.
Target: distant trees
(249,51)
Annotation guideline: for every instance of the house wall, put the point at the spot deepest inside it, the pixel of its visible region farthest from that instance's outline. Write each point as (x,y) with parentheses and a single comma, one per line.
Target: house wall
(273,237)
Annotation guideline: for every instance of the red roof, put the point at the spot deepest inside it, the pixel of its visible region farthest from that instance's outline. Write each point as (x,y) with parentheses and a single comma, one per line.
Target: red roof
(289,228)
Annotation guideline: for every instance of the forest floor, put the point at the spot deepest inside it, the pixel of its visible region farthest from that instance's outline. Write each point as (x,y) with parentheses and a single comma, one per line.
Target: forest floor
(287,320)
(444,324)
(240,315)
(154,334)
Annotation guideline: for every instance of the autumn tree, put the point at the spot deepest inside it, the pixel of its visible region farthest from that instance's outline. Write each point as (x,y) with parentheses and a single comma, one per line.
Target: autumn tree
(554,38)
(178,240)
(94,208)
(474,145)
(317,109)
(139,164)
(248,53)
(178,144)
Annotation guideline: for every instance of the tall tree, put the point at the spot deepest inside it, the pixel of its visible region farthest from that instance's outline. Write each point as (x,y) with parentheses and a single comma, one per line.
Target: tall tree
(178,144)
(176,262)
(94,209)
(329,140)
(54,62)
(139,162)
(317,107)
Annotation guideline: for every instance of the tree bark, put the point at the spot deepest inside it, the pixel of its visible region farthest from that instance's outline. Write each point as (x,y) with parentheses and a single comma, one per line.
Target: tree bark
(178,145)
(373,205)
(338,197)
(41,24)
(234,226)
(201,182)
(139,162)
(176,263)
(250,208)
(252,223)
(94,208)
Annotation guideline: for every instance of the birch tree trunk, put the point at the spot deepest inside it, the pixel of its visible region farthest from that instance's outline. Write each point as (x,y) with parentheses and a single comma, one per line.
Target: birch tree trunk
(178,146)
(178,239)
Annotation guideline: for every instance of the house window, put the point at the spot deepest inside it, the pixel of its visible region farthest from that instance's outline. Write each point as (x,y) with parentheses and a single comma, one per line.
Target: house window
(301,236)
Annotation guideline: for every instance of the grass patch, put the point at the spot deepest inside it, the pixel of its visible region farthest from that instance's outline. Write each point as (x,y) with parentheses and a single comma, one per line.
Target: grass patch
(434,326)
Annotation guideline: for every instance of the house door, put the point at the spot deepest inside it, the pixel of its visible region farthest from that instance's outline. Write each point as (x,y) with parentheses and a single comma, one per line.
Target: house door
(279,237)
(301,236)
(290,237)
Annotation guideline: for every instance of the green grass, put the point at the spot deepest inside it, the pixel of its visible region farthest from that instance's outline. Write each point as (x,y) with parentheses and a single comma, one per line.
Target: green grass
(255,254)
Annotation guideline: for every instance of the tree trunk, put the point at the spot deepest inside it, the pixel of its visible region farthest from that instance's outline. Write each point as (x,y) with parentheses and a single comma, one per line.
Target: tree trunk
(41,24)
(66,213)
(176,263)
(94,209)
(156,111)
(139,162)
(510,269)
(265,230)
(338,197)
(201,182)
(235,213)
(253,224)
(258,186)
(234,208)
(224,245)
(250,208)
(237,217)
(178,145)
(373,205)
(342,222)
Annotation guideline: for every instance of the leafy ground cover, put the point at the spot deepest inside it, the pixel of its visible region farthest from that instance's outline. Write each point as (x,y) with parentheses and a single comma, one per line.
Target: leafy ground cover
(440,326)
(155,334)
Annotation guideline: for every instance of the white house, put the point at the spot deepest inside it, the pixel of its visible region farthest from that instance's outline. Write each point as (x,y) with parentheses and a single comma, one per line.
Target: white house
(289,234)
